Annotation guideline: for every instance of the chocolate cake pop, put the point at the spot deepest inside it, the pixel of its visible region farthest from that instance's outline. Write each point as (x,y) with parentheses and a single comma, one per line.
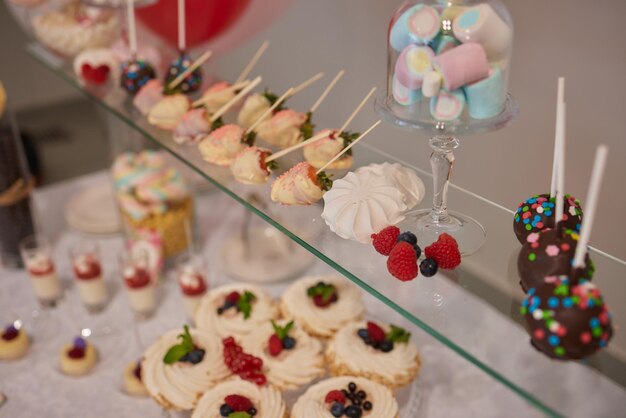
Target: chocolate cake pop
(547,253)
(135,74)
(190,83)
(538,213)
(567,322)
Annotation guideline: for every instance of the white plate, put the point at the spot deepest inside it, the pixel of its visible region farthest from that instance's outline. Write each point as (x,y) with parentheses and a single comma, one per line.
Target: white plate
(93,210)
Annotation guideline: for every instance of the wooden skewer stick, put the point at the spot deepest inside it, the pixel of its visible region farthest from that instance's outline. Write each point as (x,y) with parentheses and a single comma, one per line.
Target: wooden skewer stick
(328,89)
(357,110)
(255,58)
(235,99)
(233,87)
(277,103)
(295,147)
(343,151)
(190,69)
(307,83)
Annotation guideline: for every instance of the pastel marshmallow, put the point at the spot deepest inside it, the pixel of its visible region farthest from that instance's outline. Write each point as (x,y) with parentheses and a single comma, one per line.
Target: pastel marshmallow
(418,24)
(413,63)
(462,65)
(444,43)
(403,95)
(432,84)
(447,105)
(447,17)
(486,98)
(481,24)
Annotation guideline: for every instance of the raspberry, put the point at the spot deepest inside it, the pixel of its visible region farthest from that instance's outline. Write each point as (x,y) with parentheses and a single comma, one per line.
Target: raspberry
(238,403)
(335,396)
(402,262)
(385,240)
(376,333)
(275,345)
(445,252)
(233,297)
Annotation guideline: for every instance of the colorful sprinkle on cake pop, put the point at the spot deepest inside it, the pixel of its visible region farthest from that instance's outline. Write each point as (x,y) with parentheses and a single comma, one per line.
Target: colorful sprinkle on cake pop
(191,83)
(537,213)
(135,74)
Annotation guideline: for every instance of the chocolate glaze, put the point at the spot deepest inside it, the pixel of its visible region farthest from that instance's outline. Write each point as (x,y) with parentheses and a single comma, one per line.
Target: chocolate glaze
(537,213)
(567,323)
(135,74)
(549,253)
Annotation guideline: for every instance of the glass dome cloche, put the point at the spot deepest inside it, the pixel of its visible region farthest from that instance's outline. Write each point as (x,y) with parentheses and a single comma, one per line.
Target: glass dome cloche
(448,64)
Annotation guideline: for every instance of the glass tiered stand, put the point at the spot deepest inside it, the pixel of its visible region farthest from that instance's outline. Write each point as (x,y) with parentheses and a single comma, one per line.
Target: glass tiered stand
(424,40)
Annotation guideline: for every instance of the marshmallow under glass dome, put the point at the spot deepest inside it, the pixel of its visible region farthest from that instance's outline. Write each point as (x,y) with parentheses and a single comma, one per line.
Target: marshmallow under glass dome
(447,74)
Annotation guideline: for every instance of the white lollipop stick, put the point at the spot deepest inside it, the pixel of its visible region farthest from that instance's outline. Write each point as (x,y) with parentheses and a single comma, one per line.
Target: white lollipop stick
(343,151)
(357,110)
(255,58)
(555,159)
(232,87)
(307,83)
(182,42)
(591,203)
(295,147)
(190,69)
(132,30)
(560,172)
(235,99)
(327,90)
(277,103)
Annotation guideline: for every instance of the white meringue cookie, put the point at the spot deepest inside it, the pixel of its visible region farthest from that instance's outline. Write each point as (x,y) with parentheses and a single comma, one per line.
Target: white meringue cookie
(404,178)
(361,204)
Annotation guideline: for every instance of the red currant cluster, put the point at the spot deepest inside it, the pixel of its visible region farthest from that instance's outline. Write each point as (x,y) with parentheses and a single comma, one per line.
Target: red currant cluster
(244,365)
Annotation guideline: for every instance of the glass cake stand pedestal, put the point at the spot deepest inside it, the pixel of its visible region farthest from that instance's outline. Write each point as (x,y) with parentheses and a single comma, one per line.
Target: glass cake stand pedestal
(428,224)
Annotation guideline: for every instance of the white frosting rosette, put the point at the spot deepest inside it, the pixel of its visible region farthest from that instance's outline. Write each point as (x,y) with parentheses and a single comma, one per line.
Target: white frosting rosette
(291,368)
(312,403)
(253,108)
(283,129)
(347,353)
(266,400)
(403,178)
(322,321)
(361,204)
(167,112)
(249,164)
(178,386)
(231,322)
(222,145)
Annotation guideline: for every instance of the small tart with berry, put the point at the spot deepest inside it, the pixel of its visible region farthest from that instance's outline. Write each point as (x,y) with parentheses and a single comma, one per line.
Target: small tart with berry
(179,367)
(78,358)
(235,310)
(380,352)
(321,305)
(241,399)
(133,384)
(346,396)
(14,343)
(291,357)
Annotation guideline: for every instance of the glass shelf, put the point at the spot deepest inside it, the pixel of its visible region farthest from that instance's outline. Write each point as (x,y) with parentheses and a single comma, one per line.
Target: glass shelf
(473,310)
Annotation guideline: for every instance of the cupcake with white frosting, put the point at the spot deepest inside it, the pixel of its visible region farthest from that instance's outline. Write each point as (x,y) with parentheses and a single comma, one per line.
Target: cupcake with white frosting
(379,352)
(321,305)
(179,367)
(291,357)
(346,396)
(235,310)
(241,396)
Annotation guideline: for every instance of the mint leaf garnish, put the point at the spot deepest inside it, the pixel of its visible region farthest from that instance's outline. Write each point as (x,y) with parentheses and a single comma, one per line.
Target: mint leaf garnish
(244,304)
(178,351)
(239,415)
(398,335)
(282,332)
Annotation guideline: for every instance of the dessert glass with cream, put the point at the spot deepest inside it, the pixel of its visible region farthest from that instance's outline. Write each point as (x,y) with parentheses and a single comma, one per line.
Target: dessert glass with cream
(191,277)
(139,283)
(37,255)
(87,269)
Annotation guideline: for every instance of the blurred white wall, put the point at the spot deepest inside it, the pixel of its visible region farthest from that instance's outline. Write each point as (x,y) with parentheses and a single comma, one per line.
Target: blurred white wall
(582,40)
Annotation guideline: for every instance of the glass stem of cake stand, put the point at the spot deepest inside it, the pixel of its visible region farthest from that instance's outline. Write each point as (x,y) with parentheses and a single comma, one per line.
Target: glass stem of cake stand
(441,162)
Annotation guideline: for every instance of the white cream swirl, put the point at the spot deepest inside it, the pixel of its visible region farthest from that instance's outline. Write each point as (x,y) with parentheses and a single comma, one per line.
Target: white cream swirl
(291,368)
(178,386)
(312,403)
(253,108)
(231,322)
(348,350)
(323,321)
(266,400)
